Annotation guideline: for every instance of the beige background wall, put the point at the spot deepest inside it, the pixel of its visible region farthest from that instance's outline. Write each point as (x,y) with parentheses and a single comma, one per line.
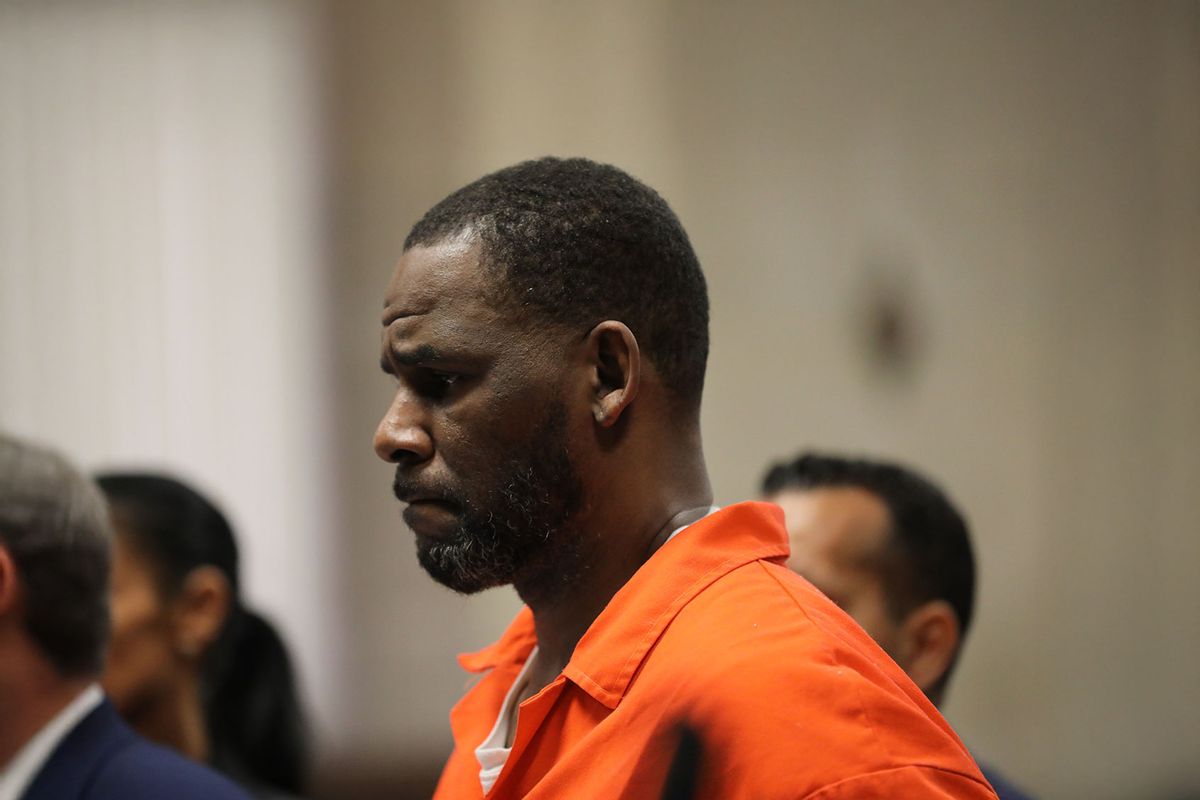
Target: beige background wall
(208,198)
(1023,176)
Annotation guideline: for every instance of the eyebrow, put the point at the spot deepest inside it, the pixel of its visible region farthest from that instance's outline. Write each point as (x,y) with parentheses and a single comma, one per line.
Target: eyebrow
(419,355)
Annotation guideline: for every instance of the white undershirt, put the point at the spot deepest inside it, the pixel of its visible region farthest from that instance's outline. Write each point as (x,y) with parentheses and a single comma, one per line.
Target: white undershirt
(19,772)
(491,754)
(682,528)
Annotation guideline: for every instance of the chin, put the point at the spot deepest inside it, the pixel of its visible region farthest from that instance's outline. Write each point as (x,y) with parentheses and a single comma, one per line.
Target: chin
(460,581)
(458,565)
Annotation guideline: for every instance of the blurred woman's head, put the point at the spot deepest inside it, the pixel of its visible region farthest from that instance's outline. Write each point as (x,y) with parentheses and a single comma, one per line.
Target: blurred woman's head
(188,664)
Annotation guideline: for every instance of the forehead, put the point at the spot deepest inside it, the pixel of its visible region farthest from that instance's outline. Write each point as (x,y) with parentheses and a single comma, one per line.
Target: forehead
(441,290)
(427,278)
(843,526)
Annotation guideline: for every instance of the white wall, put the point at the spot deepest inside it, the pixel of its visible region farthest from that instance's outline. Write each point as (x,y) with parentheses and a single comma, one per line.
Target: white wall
(161,248)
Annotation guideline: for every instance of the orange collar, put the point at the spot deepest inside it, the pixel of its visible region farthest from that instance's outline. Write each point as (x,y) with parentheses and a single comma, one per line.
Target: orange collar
(613,648)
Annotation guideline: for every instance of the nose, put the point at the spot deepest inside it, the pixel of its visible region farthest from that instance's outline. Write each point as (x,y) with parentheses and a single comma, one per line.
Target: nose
(403,432)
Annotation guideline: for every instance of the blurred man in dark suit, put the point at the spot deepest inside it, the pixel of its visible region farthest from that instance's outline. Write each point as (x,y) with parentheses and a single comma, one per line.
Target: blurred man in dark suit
(890,548)
(60,739)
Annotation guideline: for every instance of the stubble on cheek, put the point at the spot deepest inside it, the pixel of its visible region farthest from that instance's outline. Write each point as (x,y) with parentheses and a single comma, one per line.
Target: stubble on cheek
(518,531)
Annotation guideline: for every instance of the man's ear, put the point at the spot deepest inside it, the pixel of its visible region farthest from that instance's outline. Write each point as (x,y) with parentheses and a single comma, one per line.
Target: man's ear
(931,638)
(200,610)
(616,370)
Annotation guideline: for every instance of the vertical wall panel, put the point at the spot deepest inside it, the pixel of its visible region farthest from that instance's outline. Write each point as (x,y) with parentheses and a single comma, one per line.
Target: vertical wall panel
(160,177)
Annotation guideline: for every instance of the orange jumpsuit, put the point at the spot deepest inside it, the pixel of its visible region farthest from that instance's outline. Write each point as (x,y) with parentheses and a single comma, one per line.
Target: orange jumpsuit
(791,699)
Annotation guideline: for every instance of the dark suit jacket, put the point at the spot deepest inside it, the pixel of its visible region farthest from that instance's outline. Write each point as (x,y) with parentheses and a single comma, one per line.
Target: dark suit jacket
(1004,789)
(102,759)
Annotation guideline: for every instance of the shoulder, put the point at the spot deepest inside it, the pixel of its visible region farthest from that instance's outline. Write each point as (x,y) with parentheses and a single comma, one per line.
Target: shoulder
(101,758)
(763,608)
(144,771)
(913,780)
(768,668)
(761,634)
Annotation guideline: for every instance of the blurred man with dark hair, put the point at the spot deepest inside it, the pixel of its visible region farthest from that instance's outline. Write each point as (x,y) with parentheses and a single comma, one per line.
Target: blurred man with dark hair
(59,738)
(889,547)
(547,329)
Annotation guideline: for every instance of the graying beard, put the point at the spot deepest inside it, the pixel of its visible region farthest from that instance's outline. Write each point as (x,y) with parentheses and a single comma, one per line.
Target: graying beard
(492,551)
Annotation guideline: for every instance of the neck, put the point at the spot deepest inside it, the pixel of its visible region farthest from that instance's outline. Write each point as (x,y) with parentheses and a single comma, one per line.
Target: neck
(618,538)
(177,722)
(31,694)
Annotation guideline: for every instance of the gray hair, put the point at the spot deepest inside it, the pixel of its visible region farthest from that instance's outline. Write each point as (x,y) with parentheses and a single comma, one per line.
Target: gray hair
(54,524)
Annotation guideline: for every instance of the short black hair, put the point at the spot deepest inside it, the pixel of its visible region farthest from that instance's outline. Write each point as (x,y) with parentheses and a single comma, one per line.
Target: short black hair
(929,555)
(54,525)
(255,720)
(581,242)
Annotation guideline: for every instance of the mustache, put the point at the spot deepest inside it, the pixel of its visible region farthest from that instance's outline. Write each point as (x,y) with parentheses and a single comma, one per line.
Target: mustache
(407,490)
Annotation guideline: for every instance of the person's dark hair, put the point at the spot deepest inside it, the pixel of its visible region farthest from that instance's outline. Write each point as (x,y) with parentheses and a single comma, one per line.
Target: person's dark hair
(54,525)
(255,721)
(928,556)
(580,242)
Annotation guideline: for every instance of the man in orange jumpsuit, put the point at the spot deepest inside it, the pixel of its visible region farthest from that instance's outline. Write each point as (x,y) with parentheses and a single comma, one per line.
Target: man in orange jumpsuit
(547,328)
